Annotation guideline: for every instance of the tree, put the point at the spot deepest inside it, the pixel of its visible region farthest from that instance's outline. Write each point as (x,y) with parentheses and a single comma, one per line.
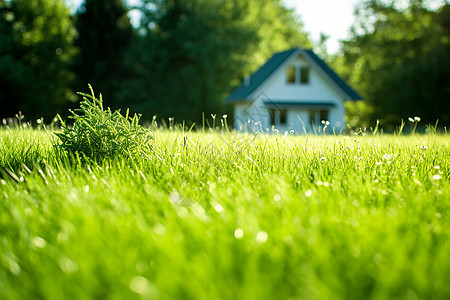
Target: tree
(398,58)
(104,35)
(35,47)
(192,53)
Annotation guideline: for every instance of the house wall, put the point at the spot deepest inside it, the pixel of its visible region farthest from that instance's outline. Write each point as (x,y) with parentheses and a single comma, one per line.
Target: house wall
(251,116)
(318,90)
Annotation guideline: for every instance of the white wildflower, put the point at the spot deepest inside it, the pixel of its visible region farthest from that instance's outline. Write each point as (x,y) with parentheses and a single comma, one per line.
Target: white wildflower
(239,233)
(436,177)
(262,237)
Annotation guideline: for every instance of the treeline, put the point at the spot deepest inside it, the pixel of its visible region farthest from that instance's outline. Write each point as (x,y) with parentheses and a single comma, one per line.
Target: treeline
(398,58)
(180,60)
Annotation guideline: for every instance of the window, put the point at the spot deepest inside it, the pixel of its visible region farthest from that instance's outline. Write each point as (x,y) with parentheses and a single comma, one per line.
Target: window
(297,75)
(283,114)
(304,75)
(290,74)
(278,116)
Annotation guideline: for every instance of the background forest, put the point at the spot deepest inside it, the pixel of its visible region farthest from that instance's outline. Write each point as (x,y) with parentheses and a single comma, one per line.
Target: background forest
(181,58)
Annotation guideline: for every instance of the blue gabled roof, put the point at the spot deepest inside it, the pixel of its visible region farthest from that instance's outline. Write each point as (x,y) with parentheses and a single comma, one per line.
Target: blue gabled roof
(257,78)
(260,76)
(338,80)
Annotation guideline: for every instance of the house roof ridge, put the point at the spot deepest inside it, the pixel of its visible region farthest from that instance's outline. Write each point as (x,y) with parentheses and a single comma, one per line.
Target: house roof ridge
(272,64)
(258,77)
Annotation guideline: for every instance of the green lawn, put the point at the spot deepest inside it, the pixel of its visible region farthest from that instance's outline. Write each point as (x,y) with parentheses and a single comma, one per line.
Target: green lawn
(227,216)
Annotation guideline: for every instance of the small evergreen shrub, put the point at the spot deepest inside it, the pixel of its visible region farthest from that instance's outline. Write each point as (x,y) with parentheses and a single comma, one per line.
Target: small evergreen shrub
(99,133)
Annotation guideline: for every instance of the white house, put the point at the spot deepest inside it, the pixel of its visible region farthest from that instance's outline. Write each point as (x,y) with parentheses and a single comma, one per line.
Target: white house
(293,90)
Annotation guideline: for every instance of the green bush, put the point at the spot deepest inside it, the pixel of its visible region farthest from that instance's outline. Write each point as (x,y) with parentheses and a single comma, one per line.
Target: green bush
(358,114)
(99,133)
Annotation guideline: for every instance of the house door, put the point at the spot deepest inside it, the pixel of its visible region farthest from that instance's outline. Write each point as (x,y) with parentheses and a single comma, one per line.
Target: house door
(317,117)
(278,117)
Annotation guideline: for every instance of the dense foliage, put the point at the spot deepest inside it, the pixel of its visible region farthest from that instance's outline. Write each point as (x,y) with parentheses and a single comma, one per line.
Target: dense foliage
(227,216)
(36,47)
(104,36)
(399,59)
(180,61)
(190,54)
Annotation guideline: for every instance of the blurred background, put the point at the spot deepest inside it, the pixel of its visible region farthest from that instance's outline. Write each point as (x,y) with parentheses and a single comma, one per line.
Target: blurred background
(181,58)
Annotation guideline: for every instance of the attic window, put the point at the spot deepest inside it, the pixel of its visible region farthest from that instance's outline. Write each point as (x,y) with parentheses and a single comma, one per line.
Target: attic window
(297,75)
(290,74)
(304,75)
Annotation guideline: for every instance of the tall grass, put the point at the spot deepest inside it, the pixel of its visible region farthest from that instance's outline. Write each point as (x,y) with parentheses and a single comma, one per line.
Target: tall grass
(211,216)
(99,133)
(227,216)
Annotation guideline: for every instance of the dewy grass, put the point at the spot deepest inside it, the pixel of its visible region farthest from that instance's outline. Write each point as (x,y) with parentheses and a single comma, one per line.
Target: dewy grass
(22,147)
(99,133)
(232,216)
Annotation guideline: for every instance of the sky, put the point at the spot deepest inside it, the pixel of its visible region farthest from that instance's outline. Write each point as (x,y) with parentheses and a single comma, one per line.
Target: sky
(334,17)
(331,17)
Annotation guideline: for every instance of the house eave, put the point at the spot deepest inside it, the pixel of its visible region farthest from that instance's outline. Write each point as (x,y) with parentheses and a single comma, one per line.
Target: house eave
(300,104)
